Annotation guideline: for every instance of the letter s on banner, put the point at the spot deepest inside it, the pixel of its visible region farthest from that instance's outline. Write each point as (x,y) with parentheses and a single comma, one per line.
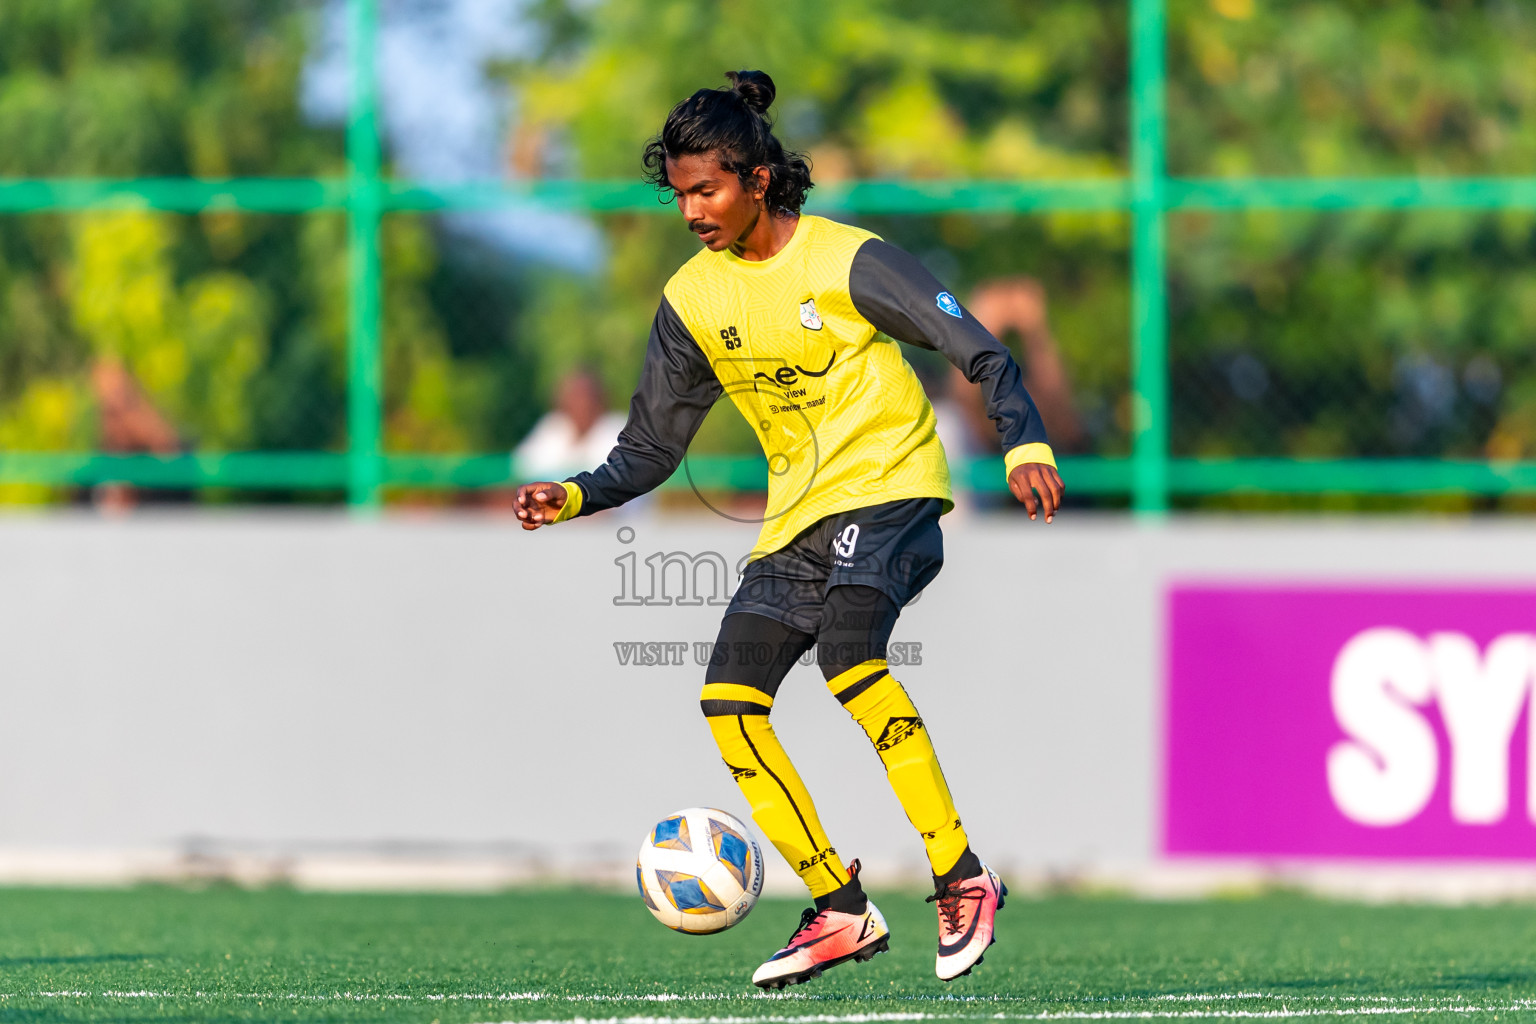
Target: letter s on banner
(1386,773)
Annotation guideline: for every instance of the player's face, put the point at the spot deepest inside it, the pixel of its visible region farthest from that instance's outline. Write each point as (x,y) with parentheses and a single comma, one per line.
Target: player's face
(712,200)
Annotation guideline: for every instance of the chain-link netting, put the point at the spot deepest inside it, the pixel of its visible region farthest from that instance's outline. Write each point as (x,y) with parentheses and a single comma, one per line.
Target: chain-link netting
(143,88)
(1292,334)
(133,332)
(1353,335)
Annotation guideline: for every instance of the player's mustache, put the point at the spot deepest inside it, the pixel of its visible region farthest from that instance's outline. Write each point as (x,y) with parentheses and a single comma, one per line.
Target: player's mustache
(700,228)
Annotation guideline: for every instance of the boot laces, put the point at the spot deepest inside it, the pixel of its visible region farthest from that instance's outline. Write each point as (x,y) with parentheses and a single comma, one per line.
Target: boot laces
(949,898)
(808,917)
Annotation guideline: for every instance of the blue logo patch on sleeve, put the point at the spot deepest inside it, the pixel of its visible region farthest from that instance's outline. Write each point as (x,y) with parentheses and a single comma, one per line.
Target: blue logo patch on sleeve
(948,304)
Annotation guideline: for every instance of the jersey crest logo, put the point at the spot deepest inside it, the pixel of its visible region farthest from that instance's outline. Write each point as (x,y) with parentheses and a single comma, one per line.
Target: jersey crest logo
(948,304)
(808,315)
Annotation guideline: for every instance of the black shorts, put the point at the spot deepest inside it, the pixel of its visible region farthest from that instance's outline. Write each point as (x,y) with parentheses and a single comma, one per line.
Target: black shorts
(896,548)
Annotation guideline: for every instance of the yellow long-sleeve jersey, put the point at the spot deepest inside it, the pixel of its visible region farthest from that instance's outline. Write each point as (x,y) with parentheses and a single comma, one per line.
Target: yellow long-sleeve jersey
(804,344)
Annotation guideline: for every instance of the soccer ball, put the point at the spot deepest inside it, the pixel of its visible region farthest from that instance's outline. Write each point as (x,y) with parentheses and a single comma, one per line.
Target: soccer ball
(699,870)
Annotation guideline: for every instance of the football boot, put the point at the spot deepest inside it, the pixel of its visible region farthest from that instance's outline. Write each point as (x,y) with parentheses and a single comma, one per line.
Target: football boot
(966,910)
(822,940)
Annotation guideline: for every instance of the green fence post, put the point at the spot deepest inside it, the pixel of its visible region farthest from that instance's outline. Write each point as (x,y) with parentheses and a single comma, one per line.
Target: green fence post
(365,385)
(1149,305)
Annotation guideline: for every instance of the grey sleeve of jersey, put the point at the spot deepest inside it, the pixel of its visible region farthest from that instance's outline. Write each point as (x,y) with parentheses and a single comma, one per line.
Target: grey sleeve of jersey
(676,391)
(900,298)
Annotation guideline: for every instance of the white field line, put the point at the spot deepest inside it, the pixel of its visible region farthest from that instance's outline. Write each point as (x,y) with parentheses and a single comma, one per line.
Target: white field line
(1284,1013)
(1290,1005)
(869,1018)
(1448,1002)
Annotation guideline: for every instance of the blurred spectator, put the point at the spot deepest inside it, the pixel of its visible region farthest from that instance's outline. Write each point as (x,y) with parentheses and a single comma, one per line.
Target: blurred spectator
(577,434)
(1008,306)
(130,425)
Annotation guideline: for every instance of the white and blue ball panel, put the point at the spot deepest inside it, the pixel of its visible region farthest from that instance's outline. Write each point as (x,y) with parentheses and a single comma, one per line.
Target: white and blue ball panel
(688,893)
(672,834)
(732,850)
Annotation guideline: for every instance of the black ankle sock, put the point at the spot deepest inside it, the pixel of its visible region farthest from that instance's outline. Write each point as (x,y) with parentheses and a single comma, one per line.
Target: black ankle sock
(846,899)
(968,866)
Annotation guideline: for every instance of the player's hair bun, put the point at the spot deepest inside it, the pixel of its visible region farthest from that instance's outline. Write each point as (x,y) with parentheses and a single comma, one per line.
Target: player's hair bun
(733,124)
(755,87)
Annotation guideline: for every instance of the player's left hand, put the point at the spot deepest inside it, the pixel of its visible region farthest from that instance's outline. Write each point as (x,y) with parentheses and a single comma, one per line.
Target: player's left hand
(1031,478)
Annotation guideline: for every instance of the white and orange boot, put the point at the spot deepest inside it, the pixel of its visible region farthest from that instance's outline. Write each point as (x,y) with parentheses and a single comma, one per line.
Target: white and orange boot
(966,911)
(824,939)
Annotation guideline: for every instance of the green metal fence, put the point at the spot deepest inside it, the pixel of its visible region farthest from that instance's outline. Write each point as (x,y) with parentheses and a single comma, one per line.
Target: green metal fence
(1149,475)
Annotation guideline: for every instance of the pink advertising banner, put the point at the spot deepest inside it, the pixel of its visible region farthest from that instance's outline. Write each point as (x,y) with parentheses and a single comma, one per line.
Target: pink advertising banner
(1333,723)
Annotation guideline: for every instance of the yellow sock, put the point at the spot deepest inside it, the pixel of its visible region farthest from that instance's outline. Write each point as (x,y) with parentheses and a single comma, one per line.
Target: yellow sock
(738,719)
(880,705)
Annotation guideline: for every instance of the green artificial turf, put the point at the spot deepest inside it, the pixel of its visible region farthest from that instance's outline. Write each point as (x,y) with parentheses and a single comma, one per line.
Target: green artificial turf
(164,954)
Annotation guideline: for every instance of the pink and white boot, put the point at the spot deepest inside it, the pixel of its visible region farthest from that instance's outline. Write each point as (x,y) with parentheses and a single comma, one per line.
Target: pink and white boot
(966,910)
(824,939)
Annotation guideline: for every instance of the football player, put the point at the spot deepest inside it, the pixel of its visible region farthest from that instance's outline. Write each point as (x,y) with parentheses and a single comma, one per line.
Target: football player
(796,319)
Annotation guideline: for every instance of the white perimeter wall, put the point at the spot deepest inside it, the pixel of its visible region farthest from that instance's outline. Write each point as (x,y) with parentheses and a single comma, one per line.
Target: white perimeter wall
(292,684)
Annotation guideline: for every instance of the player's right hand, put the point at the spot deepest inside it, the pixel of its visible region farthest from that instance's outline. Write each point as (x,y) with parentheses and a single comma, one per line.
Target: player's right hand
(538,504)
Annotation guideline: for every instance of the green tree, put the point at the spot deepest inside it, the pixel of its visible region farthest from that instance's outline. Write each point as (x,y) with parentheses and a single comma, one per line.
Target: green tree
(204,311)
(234,326)
(1366,333)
